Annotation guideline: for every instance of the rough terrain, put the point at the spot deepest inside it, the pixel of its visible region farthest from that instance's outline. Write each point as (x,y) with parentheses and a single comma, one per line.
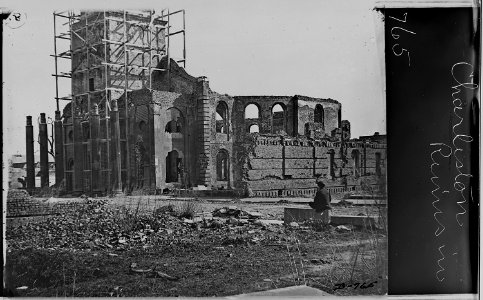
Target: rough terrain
(143,246)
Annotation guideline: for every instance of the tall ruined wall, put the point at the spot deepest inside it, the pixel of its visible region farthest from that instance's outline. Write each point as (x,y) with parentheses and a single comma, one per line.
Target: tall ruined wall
(167,144)
(306,107)
(173,139)
(141,140)
(222,137)
(264,121)
(174,128)
(275,165)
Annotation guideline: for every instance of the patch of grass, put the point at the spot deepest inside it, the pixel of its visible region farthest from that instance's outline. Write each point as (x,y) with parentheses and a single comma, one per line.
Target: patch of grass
(187,209)
(39,268)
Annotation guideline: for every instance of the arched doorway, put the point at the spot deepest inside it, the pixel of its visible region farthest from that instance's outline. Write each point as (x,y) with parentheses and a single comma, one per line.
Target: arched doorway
(173,164)
(222,167)
(278,119)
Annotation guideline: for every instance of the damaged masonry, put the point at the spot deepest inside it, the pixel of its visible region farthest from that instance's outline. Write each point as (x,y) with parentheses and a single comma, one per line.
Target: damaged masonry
(164,187)
(138,121)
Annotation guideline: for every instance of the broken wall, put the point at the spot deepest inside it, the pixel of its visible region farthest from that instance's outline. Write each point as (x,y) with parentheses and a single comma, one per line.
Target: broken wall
(221,148)
(173,122)
(265,105)
(306,107)
(274,166)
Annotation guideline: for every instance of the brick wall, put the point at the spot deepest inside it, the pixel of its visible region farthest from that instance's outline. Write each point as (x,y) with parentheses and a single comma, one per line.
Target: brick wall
(21,204)
(288,166)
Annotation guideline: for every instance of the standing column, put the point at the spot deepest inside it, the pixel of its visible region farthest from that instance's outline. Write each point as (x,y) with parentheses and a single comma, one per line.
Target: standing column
(59,149)
(44,152)
(30,155)
(78,152)
(96,163)
(204,129)
(116,149)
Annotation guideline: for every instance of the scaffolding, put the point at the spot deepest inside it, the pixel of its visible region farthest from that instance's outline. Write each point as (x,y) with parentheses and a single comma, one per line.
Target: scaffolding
(109,54)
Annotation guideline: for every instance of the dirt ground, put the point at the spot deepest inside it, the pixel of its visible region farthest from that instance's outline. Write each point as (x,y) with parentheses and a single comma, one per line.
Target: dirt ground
(270,210)
(136,247)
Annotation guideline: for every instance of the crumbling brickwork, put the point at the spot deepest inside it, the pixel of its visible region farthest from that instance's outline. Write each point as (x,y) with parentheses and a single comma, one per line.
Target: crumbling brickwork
(175,132)
(277,164)
(21,204)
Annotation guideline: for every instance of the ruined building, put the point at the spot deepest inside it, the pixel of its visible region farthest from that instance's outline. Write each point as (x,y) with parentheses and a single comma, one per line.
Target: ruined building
(137,120)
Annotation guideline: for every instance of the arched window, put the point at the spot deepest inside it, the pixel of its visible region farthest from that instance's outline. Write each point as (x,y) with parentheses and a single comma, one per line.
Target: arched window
(70,136)
(70,165)
(175,123)
(142,125)
(319,114)
(278,119)
(251,111)
(378,164)
(222,166)
(173,164)
(357,165)
(253,128)
(221,117)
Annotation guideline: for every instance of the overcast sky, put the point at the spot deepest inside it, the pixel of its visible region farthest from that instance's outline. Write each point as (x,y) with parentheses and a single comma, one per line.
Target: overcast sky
(325,49)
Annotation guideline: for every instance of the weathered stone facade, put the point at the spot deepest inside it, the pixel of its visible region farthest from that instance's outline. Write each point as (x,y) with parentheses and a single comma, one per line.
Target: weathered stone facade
(181,134)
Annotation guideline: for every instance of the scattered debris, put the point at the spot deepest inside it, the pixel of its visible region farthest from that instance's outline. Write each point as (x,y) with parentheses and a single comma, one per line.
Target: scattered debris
(319,261)
(150,272)
(159,274)
(165,209)
(343,228)
(343,202)
(233,211)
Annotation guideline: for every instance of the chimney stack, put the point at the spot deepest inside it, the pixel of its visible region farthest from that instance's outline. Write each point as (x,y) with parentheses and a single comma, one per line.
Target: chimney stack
(30,155)
(44,152)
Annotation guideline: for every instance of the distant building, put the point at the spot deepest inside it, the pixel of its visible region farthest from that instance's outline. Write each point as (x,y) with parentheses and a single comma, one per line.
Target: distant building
(17,170)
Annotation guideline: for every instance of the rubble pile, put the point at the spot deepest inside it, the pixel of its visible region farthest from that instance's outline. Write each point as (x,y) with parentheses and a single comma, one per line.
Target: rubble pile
(97,225)
(94,225)
(233,211)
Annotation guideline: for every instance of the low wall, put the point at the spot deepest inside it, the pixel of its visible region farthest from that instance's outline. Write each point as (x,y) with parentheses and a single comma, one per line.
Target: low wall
(21,204)
(309,192)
